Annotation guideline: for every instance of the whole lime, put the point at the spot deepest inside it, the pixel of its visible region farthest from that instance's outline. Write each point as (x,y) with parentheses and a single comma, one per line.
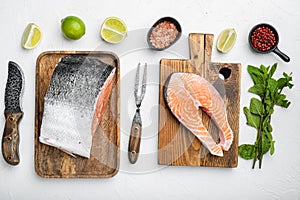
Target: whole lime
(73,28)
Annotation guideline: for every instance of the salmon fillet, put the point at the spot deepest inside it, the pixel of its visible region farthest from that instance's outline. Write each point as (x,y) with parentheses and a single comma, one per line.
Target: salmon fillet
(185,94)
(78,93)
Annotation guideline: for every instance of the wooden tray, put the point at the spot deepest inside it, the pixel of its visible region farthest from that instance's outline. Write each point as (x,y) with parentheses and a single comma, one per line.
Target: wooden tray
(104,162)
(176,145)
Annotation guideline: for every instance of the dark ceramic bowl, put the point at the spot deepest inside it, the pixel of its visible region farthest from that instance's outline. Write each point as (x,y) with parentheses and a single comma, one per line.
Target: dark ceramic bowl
(168,19)
(272,49)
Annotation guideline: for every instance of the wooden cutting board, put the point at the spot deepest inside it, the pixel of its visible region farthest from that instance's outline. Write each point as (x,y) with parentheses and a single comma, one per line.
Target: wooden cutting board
(176,145)
(104,162)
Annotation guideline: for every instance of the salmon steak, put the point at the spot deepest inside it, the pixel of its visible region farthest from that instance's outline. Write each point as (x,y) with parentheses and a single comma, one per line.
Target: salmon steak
(76,98)
(187,93)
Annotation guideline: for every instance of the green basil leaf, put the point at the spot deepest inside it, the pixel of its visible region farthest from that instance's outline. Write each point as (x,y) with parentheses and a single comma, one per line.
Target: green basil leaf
(272,87)
(281,83)
(266,144)
(280,98)
(258,89)
(264,69)
(268,105)
(253,70)
(285,81)
(267,134)
(256,106)
(281,101)
(289,85)
(284,104)
(272,70)
(266,126)
(268,95)
(272,149)
(246,151)
(269,127)
(256,74)
(252,120)
(285,75)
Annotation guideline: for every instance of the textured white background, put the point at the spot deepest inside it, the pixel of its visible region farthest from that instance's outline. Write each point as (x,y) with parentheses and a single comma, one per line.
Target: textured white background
(280,176)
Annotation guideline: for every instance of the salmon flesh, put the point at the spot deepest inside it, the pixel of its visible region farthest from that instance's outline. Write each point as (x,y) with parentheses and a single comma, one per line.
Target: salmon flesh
(79,90)
(185,94)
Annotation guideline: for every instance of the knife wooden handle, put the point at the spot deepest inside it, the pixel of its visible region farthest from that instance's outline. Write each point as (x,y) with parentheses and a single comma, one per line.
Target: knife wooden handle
(10,139)
(134,142)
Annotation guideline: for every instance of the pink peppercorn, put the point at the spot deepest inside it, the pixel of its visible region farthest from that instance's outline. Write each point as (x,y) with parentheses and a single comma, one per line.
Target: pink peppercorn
(263,38)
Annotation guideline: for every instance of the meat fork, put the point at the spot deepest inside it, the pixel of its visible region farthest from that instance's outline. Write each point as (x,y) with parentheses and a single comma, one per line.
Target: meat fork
(136,127)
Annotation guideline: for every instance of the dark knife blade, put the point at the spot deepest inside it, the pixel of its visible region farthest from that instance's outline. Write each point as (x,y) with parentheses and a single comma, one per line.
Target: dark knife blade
(13,113)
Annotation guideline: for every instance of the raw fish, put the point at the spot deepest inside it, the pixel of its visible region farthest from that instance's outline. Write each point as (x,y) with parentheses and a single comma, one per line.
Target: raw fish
(185,94)
(79,90)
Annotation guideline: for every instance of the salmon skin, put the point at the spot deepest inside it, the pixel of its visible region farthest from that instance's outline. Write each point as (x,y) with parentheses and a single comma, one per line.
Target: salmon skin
(185,94)
(79,90)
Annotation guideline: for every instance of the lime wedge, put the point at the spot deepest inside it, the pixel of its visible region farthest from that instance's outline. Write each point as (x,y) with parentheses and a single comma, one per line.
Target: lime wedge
(31,37)
(226,40)
(113,30)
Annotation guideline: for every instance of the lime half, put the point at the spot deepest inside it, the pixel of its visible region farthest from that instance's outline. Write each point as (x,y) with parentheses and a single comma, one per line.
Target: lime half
(113,30)
(31,37)
(226,40)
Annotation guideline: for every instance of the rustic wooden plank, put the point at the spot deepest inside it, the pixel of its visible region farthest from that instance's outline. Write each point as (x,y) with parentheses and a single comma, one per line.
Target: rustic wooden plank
(177,146)
(51,162)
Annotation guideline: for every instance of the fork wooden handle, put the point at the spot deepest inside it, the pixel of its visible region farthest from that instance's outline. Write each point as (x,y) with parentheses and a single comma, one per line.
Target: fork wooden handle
(134,141)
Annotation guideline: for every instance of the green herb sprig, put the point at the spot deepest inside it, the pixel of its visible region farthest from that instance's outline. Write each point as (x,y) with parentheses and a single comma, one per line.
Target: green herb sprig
(259,112)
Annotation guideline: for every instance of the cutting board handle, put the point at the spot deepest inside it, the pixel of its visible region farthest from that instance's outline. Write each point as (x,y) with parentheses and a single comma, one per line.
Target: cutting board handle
(200,50)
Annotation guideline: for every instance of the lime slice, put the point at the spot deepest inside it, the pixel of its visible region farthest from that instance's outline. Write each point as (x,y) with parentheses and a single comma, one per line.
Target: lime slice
(113,30)
(32,36)
(226,40)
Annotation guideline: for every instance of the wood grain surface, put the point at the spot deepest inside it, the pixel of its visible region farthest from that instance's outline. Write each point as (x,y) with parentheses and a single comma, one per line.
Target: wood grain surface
(11,138)
(176,145)
(51,162)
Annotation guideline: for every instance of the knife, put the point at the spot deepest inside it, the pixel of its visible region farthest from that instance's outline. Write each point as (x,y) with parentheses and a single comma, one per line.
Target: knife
(12,113)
